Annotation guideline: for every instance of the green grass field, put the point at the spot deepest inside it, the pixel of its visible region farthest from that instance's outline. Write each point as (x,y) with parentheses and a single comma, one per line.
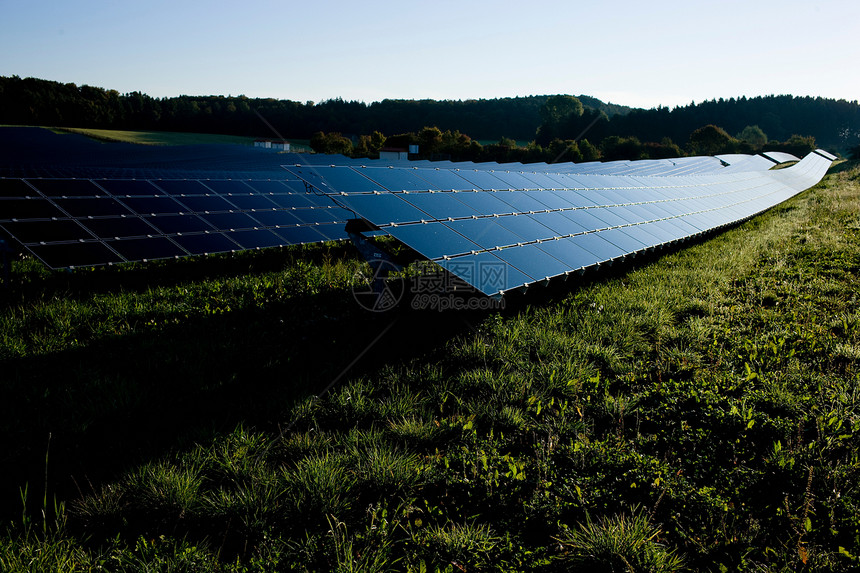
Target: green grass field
(697,411)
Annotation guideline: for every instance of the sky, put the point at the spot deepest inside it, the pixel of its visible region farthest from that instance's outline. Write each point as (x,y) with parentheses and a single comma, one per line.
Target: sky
(640,54)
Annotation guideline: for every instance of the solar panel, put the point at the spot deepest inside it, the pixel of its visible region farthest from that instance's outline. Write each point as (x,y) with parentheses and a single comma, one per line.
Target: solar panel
(441,205)
(533,261)
(433,240)
(780,157)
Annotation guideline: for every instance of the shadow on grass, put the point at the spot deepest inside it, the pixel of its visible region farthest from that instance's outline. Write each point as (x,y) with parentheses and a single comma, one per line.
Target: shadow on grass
(32,281)
(126,400)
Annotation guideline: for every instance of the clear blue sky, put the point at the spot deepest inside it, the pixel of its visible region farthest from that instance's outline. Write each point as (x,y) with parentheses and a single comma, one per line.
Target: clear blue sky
(628,52)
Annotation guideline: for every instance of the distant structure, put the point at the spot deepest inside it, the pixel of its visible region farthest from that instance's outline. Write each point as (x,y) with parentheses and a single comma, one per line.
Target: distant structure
(395,153)
(276,144)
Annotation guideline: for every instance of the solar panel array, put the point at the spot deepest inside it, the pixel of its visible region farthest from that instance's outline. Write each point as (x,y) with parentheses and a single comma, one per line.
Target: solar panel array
(80,222)
(503,230)
(496,226)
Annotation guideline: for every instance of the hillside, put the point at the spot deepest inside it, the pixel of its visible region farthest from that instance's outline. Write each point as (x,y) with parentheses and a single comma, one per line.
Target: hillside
(835,124)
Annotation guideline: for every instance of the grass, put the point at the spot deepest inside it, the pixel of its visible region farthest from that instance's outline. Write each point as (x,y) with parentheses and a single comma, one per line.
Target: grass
(698,410)
(159,137)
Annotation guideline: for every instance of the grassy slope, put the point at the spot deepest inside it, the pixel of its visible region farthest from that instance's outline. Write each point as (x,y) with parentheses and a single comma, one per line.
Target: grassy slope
(173,138)
(704,406)
(160,137)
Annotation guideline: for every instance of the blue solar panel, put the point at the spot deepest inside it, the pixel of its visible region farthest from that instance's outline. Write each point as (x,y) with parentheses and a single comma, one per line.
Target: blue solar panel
(533,261)
(486,272)
(485,203)
(526,227)
(598,246)
(336,179)
(433,240)
(115,227)
(142,249)
(206,243)
(441,205)
(397,179)
(485,232)
(569,253)
(482,179)
(75,254)
(383,209)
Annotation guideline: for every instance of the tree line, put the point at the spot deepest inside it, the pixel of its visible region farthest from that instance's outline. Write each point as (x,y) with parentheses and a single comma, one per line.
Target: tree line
(31,101)
(560,137)
(582,128)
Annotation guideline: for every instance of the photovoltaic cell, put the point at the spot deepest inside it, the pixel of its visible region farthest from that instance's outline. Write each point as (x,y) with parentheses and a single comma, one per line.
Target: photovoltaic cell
(336,179)
(202,244)
(558,223)
(182,187)
(569,252)
(252,202)
(598,246)
(16,188)
(445,180)
(433,240)
(173,224)
(301,235)
(75,254)
(486,272)
(397,179)
(331,231)
(124,187)
(47,231)
(67,187)
(115,227)
(384,209)
(292,201)
(521,201)
(526,227)
(28,209)
(533,261)
(100,207)
(487,203)
(154,205)
(482,179)
(153,248)
(440,205)
(256,239)
(206,204)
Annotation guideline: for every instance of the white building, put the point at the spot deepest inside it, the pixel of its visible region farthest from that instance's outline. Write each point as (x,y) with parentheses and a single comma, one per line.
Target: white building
(277,144)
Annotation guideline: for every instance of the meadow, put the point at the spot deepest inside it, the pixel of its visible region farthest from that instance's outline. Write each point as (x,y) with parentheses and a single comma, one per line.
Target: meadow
(697,409)
(171,137)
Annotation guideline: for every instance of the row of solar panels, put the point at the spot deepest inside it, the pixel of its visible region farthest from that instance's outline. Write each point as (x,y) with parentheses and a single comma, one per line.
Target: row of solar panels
(36,152)
(271,166)
(457,216)
(499,240)
(78,222)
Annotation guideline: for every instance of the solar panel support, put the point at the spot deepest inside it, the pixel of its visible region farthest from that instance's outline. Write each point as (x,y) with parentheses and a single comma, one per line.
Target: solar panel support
(380,262)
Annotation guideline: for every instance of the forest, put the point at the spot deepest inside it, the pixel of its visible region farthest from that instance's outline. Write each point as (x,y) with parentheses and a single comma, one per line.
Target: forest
(557,127)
